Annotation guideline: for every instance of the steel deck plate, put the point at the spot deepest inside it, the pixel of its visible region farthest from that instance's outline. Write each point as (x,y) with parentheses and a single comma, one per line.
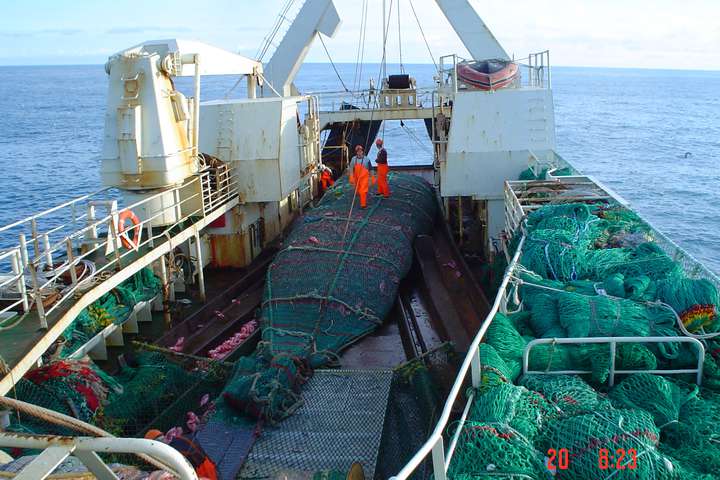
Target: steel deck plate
(340,423)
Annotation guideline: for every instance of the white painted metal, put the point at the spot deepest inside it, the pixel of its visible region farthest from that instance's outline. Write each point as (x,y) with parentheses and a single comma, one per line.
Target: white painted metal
(315,17)
(612,342)
(260,139)
(150,137)
(179,53)
(328,117)
(224,199)
(471,29)
(57,448)
(45,463)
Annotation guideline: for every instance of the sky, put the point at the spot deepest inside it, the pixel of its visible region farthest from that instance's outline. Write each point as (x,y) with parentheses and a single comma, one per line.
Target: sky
(677,34)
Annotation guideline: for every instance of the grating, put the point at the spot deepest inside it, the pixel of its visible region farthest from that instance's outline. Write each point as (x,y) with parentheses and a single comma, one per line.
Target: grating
(227,445)
(341,422)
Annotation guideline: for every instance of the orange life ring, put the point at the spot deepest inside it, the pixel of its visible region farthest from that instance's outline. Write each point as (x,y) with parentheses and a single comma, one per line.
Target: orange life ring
(124,237)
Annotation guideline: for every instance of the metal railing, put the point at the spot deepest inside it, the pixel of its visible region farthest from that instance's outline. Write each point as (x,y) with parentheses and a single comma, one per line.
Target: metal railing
(55,449)
(434,446)
(47,268)
(369,98)
(533,72)
(612,342)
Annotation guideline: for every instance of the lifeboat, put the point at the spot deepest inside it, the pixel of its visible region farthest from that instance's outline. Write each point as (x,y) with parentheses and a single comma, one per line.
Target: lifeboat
(488,74)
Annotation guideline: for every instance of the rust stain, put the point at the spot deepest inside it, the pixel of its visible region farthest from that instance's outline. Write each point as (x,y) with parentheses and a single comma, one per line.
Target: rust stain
(229,250)
(54,439)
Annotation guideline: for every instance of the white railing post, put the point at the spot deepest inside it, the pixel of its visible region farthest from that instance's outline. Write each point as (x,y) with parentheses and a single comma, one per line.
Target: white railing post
(476,370)
(199,263)
(613,349)
(18,270)
(438,459)
(38,296)
(71,261)
(48,252)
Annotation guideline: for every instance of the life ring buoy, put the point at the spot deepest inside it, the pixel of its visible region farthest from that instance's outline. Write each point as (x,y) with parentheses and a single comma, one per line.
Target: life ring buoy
(134,242)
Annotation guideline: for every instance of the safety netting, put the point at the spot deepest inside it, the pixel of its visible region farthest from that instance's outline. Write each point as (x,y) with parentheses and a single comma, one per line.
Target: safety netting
(596,270)
(333,282)
(113,307)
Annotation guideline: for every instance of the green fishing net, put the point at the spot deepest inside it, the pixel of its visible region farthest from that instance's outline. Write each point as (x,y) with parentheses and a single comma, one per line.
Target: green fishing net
(654,394)
(589,271)
(113,307)
(334,281)
(625,437)
(488,450)
(157,392)
(76,388)
(517,407)
(695,438)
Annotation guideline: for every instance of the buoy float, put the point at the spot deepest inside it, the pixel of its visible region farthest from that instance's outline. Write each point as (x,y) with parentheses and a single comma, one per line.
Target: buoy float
(128,242)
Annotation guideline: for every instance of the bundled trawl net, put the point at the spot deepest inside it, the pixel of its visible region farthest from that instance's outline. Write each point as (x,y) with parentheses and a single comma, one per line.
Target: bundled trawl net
(334,281)
(595,271)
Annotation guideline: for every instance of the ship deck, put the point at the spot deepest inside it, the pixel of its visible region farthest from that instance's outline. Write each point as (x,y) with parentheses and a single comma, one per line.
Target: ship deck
(37,329)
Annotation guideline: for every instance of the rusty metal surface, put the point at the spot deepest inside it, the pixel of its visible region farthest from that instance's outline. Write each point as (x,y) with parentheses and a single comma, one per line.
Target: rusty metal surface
(225,323)
(223,287)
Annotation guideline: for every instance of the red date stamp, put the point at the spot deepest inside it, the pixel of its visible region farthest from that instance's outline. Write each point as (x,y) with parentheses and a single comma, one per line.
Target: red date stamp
(607,459)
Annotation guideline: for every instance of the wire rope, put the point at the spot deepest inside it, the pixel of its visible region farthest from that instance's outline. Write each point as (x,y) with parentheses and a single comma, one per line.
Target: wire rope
(422,32)
(332,63)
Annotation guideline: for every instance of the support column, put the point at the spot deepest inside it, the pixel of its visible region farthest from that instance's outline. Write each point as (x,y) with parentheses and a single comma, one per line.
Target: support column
(199,264)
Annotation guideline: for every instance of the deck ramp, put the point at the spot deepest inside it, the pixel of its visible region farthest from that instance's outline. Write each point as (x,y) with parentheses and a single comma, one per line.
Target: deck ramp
(341,422)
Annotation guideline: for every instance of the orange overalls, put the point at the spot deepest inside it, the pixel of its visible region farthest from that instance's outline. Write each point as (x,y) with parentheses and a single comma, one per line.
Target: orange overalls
(360,177)
(382,171)
(326,180)
(382,183)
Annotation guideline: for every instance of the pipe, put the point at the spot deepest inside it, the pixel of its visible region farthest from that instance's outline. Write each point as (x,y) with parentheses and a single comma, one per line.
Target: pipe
(69,422)
(196,106)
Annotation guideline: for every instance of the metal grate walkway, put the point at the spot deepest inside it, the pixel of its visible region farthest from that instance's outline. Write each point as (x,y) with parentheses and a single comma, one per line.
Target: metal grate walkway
(340,423)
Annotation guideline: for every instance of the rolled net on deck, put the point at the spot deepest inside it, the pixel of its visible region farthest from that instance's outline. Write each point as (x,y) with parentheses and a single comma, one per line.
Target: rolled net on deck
(588,271)
(334,281)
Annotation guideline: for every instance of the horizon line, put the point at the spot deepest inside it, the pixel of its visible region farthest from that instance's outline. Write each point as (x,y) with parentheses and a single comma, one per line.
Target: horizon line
(3,65)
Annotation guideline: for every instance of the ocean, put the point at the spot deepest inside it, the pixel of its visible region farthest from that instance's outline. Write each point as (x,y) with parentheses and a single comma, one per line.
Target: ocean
(653,136)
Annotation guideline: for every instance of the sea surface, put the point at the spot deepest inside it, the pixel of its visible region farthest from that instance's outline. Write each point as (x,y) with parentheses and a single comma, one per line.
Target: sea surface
(653,136)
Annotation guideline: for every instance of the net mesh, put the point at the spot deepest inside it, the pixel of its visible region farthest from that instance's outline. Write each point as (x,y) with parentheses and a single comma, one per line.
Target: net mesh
(588,271)
(153,391)
(333,282)
(113,307)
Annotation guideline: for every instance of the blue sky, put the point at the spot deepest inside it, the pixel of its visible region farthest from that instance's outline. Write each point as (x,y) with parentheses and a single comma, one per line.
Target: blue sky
(683,34)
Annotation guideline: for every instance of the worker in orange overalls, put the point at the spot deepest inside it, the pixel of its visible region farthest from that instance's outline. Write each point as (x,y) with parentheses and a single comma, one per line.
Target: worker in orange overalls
(382,169)
(326,179)
(360,175)
(192,451)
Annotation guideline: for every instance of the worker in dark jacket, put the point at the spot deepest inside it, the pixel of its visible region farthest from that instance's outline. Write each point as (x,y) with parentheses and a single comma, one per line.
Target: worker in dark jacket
(382,169)
(204,467)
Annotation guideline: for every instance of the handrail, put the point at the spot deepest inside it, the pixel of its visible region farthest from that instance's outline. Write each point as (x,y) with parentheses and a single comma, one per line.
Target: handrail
(434,443)
(215,187)
(86,449)
(613,341)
